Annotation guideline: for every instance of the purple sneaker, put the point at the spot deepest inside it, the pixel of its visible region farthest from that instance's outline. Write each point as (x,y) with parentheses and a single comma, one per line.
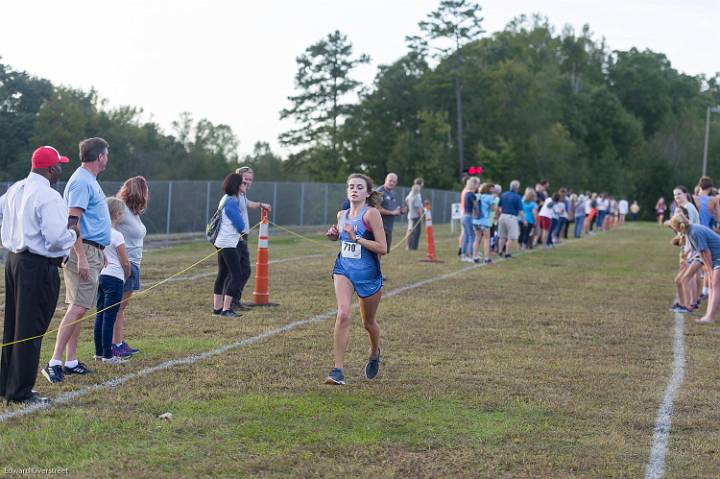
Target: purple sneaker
(126,347)
(119,352)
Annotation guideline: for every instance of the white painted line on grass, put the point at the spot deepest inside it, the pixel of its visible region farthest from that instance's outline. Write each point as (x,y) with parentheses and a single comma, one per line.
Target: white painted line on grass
(656,465)
(70,396)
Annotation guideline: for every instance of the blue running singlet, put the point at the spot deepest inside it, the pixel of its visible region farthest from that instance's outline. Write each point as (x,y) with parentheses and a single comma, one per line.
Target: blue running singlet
(358,264)
(704,210)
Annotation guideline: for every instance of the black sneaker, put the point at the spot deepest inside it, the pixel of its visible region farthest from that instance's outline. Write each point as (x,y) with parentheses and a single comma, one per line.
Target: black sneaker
(229,313)
(80,368)
(216,312)
(34,398)
(54,374)
(372,368)
(336,377)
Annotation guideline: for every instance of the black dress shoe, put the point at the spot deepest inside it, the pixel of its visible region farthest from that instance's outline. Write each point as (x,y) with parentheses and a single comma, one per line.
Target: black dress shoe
(34,398)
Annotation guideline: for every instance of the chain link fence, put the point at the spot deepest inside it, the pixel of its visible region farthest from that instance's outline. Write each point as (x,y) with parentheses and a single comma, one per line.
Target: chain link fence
(182,207)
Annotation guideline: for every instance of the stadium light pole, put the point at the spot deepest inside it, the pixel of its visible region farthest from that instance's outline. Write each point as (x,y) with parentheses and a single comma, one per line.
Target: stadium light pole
(710,109)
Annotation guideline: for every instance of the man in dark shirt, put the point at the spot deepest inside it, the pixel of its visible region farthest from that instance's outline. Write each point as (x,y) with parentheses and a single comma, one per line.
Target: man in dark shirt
(511,213)
(541,191)
(390,206)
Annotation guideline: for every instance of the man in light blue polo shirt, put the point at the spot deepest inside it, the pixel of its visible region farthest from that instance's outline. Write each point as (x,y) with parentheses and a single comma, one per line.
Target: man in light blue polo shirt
(86,205)
(511,209)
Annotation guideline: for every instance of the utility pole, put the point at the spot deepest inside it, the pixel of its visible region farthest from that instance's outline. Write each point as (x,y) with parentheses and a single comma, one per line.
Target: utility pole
(707,136)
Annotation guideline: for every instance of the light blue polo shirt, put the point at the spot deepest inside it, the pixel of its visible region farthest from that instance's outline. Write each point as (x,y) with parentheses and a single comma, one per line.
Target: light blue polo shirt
(83,191)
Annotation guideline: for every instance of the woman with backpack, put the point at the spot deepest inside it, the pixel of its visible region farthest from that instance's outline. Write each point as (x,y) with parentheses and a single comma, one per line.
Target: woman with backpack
(226,226)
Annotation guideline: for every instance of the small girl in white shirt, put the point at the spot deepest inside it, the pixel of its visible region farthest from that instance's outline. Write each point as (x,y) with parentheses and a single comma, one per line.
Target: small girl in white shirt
(110,288)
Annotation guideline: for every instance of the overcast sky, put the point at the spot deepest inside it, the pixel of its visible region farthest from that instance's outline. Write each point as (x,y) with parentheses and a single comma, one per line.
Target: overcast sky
(233,62)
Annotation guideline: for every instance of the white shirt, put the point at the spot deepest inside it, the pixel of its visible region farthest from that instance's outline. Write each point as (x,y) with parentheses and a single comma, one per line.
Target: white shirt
(623,207)
(34,218)
(114,268)
(546,211)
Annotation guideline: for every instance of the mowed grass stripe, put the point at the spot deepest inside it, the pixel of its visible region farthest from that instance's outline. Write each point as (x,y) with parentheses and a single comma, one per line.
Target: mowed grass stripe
(543,366)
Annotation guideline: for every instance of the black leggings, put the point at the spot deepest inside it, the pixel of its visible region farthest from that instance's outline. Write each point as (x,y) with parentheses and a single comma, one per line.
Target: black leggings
(229,274)
(244,255)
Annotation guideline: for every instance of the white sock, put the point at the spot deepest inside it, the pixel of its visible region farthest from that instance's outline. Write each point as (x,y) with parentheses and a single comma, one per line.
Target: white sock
(118,345)
(705,291)
(71,364)
(55,362)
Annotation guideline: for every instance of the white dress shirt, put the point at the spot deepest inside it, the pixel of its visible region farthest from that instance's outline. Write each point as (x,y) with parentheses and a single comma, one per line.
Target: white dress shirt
(34,218)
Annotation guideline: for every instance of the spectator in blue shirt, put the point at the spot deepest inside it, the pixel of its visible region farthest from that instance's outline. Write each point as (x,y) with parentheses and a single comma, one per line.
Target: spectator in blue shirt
(88,208)
(511,214)
(469,206)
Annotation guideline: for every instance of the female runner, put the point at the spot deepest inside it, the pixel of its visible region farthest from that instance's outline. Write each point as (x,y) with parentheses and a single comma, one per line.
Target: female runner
(357,269)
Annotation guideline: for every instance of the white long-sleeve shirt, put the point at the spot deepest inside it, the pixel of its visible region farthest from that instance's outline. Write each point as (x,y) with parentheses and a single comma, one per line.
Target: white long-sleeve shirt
(34,218)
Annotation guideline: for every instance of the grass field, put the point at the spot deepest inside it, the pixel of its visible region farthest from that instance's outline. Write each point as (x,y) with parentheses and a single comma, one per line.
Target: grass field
(552,364)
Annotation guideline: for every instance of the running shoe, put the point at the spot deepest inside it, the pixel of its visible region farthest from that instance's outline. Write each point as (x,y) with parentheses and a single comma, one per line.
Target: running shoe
(116,360)
(229,313)
(681,310)
(674,307)
(487,261)
(119,351)
(336,377)
(126,347)
(34,399)
(372,368)
(54,374)
(80,369)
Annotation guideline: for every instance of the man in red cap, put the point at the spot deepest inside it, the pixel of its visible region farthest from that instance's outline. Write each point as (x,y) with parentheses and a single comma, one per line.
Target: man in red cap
(35,232)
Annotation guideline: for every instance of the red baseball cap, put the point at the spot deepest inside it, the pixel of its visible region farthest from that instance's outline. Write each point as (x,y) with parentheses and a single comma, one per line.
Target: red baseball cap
(47,156)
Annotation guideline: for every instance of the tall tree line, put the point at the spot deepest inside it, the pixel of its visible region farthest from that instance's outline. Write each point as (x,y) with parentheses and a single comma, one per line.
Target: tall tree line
(534,104)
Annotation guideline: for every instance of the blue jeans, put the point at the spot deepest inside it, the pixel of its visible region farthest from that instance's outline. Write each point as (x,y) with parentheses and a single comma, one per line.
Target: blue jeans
(579,223)
(558,227)
(468,235)
(110,293)
(553,227)
(601,219)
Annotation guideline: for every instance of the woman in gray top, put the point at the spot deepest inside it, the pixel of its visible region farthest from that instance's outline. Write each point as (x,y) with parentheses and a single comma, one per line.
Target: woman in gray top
(134,193)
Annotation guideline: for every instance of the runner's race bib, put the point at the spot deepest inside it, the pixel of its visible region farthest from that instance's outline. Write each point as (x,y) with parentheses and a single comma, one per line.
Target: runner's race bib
(350,250)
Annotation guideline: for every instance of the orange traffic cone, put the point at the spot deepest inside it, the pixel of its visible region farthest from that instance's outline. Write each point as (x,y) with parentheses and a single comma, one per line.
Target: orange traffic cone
(431,258)
(261,295)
